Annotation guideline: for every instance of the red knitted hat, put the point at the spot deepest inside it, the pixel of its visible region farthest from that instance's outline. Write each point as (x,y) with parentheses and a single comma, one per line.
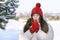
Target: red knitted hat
(37,10)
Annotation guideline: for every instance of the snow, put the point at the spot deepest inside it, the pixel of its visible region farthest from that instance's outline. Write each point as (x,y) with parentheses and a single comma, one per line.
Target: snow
(9,35)
(18,25)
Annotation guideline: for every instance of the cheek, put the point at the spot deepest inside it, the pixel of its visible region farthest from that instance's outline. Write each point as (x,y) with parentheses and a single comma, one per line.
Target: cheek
(34,17)
(37,17)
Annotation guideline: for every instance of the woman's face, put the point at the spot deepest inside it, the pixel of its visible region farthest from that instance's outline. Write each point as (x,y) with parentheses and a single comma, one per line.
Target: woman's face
(36,16)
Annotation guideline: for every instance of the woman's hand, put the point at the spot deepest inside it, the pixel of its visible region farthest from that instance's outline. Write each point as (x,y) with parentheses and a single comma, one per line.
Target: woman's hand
(32,30)
(34,27)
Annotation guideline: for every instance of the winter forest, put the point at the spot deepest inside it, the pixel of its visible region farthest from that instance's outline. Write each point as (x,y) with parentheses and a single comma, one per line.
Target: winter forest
(15,13)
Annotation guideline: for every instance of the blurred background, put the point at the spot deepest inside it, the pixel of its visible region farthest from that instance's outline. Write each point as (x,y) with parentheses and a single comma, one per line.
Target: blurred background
(14,14)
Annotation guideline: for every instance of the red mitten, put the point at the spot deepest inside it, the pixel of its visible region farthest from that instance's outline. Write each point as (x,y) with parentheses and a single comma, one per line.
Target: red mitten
(35,27)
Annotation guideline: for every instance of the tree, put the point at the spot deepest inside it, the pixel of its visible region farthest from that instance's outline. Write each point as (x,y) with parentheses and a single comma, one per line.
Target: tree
(7,9)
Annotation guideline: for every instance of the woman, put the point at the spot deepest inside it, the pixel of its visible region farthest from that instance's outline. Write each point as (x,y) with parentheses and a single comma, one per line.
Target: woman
(36,27)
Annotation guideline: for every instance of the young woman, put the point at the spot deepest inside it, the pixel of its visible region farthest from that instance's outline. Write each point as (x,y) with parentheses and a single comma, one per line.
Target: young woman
(36,27)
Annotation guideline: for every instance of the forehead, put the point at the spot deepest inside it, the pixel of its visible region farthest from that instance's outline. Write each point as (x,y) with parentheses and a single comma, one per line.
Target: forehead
(36,14)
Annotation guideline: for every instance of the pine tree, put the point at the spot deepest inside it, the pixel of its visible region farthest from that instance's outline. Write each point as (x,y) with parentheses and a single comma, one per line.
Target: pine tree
(7,10)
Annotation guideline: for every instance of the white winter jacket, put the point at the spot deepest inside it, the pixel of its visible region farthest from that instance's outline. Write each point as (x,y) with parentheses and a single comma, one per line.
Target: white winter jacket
(38,36)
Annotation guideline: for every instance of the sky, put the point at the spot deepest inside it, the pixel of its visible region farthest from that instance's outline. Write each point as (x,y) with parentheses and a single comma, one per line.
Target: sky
(50,6)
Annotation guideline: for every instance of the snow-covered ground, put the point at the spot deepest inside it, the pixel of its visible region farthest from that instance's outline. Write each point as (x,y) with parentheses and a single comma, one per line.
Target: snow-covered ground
(13,28)
(16,25)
